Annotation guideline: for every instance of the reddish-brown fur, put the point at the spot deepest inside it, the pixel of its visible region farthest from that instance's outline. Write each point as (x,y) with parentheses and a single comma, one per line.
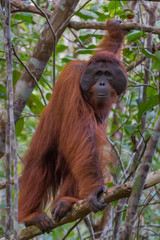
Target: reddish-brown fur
(70,133)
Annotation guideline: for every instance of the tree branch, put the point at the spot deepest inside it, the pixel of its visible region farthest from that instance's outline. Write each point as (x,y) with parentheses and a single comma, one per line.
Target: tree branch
(20,6)
(23,7)
(81,209)
(125,26)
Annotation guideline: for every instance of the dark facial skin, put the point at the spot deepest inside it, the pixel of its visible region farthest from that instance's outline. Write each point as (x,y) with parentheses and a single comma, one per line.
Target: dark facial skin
(101,75)
(101,89)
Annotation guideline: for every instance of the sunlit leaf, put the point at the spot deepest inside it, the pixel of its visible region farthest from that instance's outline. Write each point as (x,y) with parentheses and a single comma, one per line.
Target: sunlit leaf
(24,27)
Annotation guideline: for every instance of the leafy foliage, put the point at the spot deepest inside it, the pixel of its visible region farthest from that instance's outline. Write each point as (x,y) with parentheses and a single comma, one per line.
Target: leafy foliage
(125,121)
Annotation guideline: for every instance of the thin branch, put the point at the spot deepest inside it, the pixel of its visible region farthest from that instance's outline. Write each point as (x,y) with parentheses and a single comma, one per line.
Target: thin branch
(136,63)
(68,19)
(79,233)
(80,8)
(20,6)
(71,229)
(118,155)
(80,42)
(141,59)
(31,74)
(90,227)
(118,217)
(47,82)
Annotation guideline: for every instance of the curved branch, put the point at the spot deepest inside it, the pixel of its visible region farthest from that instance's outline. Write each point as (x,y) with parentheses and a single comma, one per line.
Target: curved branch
(20,6)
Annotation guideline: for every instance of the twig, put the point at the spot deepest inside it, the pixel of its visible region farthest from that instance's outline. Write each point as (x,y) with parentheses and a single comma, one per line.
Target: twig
(20,6)
(30,73)
(71,229)
(68,19)
(79,233)
(89,224)
(118,155)
(80,8)
(136,63)
(80,42)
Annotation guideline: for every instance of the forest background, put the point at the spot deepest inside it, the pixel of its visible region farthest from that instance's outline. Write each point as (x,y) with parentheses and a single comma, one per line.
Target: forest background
(133,126)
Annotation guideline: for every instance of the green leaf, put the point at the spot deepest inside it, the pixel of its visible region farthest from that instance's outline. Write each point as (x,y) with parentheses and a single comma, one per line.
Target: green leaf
(61,48)
(2,60)
(148,105)
(102,17)
(16,75)
(147,53)
(24,27)
(48,96)
(124,213)
(155,65)
(158,55)
(114,4)
(134,35)
(67,59)
(2,89)
(151,91)
(19,166)
(86,14)
(27,17)
(132,128)
(96,7)
(19,126)
(35,104)
(115,203)
(156,62)
(85,51)
(88,50)
(86,35)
